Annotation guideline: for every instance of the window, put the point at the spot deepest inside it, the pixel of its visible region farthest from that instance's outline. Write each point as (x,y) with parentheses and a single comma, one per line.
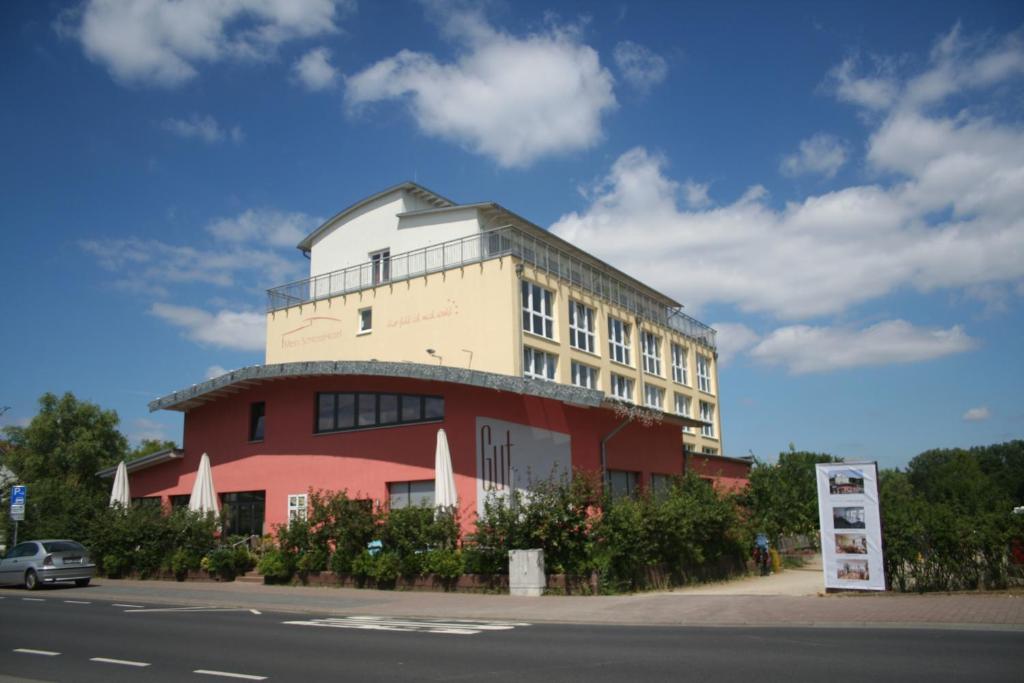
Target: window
(622,484)
(257,416)
(538,364)
(660,485)
(707,414)
(584,375)
(650,345)
(679,371)
(380,266)
(242,512)
(581,327)
(340,411)
(683,406)
(148,501)
(404,494)
(537,310)
(704,373)
(622,387)
(297,503)
(654,397)
(706,450)
(619,333)
(180,501)
(365,320)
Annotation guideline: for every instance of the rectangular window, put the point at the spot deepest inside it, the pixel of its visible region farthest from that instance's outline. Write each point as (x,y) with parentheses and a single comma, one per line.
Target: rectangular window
(704,373)
(581,327)
(404,494)
(650,345)
(619,334)
(584,375)
(380,266)
(654,397)
(709,451)
(707,414)
(538,364)
(297,506)
(660,485)
(680,373)
(683,407)
(365,320)
(622,484)
(257,417)
(537,310)
(340,411)
(622,387)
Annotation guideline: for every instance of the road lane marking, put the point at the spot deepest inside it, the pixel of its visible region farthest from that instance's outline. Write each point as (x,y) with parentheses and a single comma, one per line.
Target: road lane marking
(121,604)
(195,609)
(122,662)
(78,602)
(459,627)
(34,599)
(229,674)
(44,653)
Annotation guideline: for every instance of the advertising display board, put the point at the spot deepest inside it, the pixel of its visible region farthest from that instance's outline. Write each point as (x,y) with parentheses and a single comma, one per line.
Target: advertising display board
(851,526)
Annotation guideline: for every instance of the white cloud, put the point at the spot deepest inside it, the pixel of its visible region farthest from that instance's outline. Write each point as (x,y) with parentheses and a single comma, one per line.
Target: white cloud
(264,226)
(204,128)
(239,330)
(696,194)
(822,154)
(638,66)
(877,91)
(163,43)
(143,428)
(215,371)
(950,214)
(805,349)
(979,414)
(514,99)
(733,339)
(315,71)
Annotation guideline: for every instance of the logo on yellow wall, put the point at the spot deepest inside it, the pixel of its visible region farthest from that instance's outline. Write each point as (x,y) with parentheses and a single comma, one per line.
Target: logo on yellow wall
(315,330)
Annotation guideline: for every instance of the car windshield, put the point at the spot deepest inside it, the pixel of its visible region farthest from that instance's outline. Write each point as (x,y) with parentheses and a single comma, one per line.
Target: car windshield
(63,546)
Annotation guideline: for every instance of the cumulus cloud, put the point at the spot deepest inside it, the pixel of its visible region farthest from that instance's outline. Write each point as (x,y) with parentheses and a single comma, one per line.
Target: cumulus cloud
(948,214)
(696,194)
(875,91)
(733,339)
(155,42)
(142,429)
(203,128)
(511,98)
(638,66)
(806,349)
(264,226)
(821,154)
(315,71)
(238,330)
(979,414)
(214,371)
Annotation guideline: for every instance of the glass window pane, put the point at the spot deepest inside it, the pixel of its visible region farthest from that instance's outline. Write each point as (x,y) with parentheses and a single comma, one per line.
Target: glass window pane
(346,407)
(388,409)
(433,408)
(412,408)
(325,413)
(421,493)
(398,495)
(367,410)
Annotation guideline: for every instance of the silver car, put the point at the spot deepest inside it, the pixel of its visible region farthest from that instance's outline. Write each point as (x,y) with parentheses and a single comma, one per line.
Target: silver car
(34,563)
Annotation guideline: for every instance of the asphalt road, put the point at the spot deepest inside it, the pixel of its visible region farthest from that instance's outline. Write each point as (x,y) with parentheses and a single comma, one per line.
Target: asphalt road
(62,635)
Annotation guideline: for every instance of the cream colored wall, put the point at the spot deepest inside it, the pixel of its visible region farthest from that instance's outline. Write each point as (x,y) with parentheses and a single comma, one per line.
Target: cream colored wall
(467,315)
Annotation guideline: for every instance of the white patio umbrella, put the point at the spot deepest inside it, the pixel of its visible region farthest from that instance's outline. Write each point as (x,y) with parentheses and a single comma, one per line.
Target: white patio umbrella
(119,494)
(445,496)
(204,496)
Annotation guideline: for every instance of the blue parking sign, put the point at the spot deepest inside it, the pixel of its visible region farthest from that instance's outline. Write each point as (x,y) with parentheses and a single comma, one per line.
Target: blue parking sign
(18,502)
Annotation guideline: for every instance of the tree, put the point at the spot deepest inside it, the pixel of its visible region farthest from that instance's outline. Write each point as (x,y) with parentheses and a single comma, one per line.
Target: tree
(782,499)
(57,456)
(148,446)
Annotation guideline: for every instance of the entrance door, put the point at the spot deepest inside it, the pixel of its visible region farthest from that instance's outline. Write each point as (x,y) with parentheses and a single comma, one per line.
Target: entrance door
(243,512)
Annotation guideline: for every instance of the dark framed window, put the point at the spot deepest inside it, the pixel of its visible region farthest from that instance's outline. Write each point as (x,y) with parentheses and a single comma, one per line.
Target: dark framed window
(337,412)
(147,501)
(257,416)
(242,512)
(180,501)
(410,494)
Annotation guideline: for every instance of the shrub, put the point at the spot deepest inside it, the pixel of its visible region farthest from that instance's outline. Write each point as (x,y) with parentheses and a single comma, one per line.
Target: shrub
(222,563)
(275,566)
(183,561)
(446,564)
(364,566)
(387,568)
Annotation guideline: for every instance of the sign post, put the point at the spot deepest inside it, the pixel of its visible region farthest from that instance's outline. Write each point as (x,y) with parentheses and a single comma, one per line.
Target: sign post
(17,508)
(851,526)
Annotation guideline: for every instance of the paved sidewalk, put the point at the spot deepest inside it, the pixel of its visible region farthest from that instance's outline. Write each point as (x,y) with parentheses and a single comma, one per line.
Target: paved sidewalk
(694,607)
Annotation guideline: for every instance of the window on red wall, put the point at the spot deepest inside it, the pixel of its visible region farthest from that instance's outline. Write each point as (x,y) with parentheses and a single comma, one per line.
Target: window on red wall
(257,416)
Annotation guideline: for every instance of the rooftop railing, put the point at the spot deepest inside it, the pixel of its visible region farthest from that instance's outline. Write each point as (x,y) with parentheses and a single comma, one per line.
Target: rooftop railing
(505,241)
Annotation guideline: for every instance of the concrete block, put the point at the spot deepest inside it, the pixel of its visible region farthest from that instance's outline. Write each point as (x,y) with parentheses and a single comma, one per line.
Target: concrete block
(526,572)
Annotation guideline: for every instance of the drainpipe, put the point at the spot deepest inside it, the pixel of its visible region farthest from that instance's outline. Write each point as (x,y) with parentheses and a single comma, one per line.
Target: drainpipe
(604,449)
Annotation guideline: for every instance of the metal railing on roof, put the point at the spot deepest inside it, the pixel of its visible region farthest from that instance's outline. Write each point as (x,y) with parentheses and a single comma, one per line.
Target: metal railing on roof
(505,241)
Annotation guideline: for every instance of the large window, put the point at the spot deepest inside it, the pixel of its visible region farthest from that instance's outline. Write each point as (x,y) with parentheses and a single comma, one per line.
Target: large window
(654,397)
(243,513)
(622,387)
(679,365)
(707,414)
(336,412)
(380,265)
(538,364)
(683,407)
(537,310)
(650,345)
(257,417)
(404,494)
(622,484)
(619,333)
(704,374)
(581,327)
(661,485)
(584,375)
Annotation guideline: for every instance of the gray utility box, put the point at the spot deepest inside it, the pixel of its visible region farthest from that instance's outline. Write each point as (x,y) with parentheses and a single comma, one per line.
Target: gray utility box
(526,572)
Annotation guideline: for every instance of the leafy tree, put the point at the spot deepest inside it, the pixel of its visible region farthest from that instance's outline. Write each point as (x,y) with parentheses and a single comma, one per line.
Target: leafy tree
(782,499)
(148,446)
(57,456)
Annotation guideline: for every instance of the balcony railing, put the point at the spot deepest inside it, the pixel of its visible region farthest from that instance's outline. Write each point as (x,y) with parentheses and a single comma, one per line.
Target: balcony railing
(506,241)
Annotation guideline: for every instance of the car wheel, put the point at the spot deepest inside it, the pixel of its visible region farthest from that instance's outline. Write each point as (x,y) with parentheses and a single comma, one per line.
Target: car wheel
(31,580)
(81,583)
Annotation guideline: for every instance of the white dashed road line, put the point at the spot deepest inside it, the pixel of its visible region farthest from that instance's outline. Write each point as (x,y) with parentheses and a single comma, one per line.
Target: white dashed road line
(122,662)
(44,653)
(34,599)
(78,602)
(229,674)
(458,627)
(121,604)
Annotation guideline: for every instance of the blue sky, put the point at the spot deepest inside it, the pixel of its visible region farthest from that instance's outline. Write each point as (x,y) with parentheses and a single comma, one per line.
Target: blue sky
(838,187)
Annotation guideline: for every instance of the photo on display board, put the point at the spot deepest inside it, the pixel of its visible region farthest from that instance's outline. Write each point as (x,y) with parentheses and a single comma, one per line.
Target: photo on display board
(848,518)
(851,544)
(853,570)
(846,482)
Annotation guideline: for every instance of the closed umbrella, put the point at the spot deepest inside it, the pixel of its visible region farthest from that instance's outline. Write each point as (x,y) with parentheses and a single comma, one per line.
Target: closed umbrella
(445,497)
(119,494)
(204,496)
